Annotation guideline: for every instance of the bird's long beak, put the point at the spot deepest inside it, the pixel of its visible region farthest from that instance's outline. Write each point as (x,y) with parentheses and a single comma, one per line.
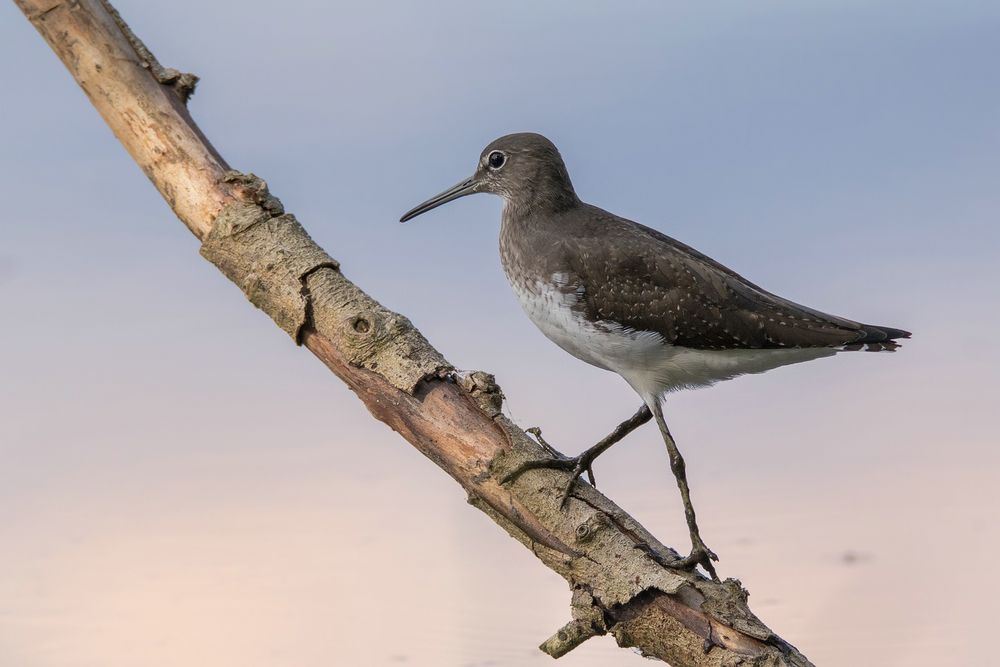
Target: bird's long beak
(466,187)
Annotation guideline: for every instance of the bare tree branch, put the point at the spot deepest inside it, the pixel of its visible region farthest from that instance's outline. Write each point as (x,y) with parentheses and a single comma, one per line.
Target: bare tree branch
(613,565)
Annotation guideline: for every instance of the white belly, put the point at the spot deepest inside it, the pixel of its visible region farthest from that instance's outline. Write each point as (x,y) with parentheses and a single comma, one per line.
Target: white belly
(643,358)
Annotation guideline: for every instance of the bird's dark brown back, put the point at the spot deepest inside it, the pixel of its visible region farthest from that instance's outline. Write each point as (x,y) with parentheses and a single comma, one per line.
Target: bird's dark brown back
(637,277)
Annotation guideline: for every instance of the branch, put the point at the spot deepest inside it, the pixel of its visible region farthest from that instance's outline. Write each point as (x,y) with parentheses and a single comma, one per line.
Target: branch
(613,565)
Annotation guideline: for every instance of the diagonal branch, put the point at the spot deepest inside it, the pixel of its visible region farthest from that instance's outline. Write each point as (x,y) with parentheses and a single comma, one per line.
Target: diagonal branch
(613,565)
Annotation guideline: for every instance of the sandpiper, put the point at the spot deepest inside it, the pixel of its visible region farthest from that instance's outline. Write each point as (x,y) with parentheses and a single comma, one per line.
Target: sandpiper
(628,299)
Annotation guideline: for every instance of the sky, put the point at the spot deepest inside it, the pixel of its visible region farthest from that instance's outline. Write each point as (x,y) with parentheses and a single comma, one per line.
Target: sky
(180,484)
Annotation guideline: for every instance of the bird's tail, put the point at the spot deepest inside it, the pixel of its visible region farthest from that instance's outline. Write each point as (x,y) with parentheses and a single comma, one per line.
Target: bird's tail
(878,339)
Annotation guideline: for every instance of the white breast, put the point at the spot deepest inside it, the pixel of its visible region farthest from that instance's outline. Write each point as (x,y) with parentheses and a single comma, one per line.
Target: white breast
(643,358)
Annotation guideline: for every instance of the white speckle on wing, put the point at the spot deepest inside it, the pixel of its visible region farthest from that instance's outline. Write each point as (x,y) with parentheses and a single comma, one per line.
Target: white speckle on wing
(647,362)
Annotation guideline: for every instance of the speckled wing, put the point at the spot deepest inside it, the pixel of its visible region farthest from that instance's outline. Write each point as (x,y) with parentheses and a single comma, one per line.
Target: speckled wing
(647,281)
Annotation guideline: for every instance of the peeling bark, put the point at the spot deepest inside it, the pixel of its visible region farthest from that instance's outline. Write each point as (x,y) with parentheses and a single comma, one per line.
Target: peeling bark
(614,566)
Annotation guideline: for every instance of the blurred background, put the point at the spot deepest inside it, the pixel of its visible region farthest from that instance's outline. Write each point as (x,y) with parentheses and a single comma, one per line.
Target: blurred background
(181,485)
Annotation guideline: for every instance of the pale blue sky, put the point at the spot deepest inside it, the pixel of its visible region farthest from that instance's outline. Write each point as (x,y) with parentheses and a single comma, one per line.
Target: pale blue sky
(843,154)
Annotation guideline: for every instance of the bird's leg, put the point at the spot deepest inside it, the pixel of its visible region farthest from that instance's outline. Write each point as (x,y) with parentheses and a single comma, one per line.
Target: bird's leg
(577,465)
(700,554)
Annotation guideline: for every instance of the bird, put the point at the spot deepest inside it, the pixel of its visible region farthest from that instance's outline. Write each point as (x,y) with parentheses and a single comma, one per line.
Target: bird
(629,299)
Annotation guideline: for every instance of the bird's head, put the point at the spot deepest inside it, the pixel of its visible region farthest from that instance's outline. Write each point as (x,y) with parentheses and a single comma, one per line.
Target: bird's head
(525,169)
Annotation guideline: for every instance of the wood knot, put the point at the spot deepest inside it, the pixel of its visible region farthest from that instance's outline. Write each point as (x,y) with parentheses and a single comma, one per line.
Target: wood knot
(586,531)
(361,324)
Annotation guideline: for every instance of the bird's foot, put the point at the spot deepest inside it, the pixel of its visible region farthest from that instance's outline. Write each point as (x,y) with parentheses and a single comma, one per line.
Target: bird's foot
(700,555)
(575,465)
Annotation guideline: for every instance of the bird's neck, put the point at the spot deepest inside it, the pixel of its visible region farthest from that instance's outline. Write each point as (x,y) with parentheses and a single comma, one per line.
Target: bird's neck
(522,220)
(538,200)
(529,234)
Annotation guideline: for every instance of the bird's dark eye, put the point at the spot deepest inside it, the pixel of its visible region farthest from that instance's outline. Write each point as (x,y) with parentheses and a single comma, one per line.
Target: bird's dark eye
(496,159)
